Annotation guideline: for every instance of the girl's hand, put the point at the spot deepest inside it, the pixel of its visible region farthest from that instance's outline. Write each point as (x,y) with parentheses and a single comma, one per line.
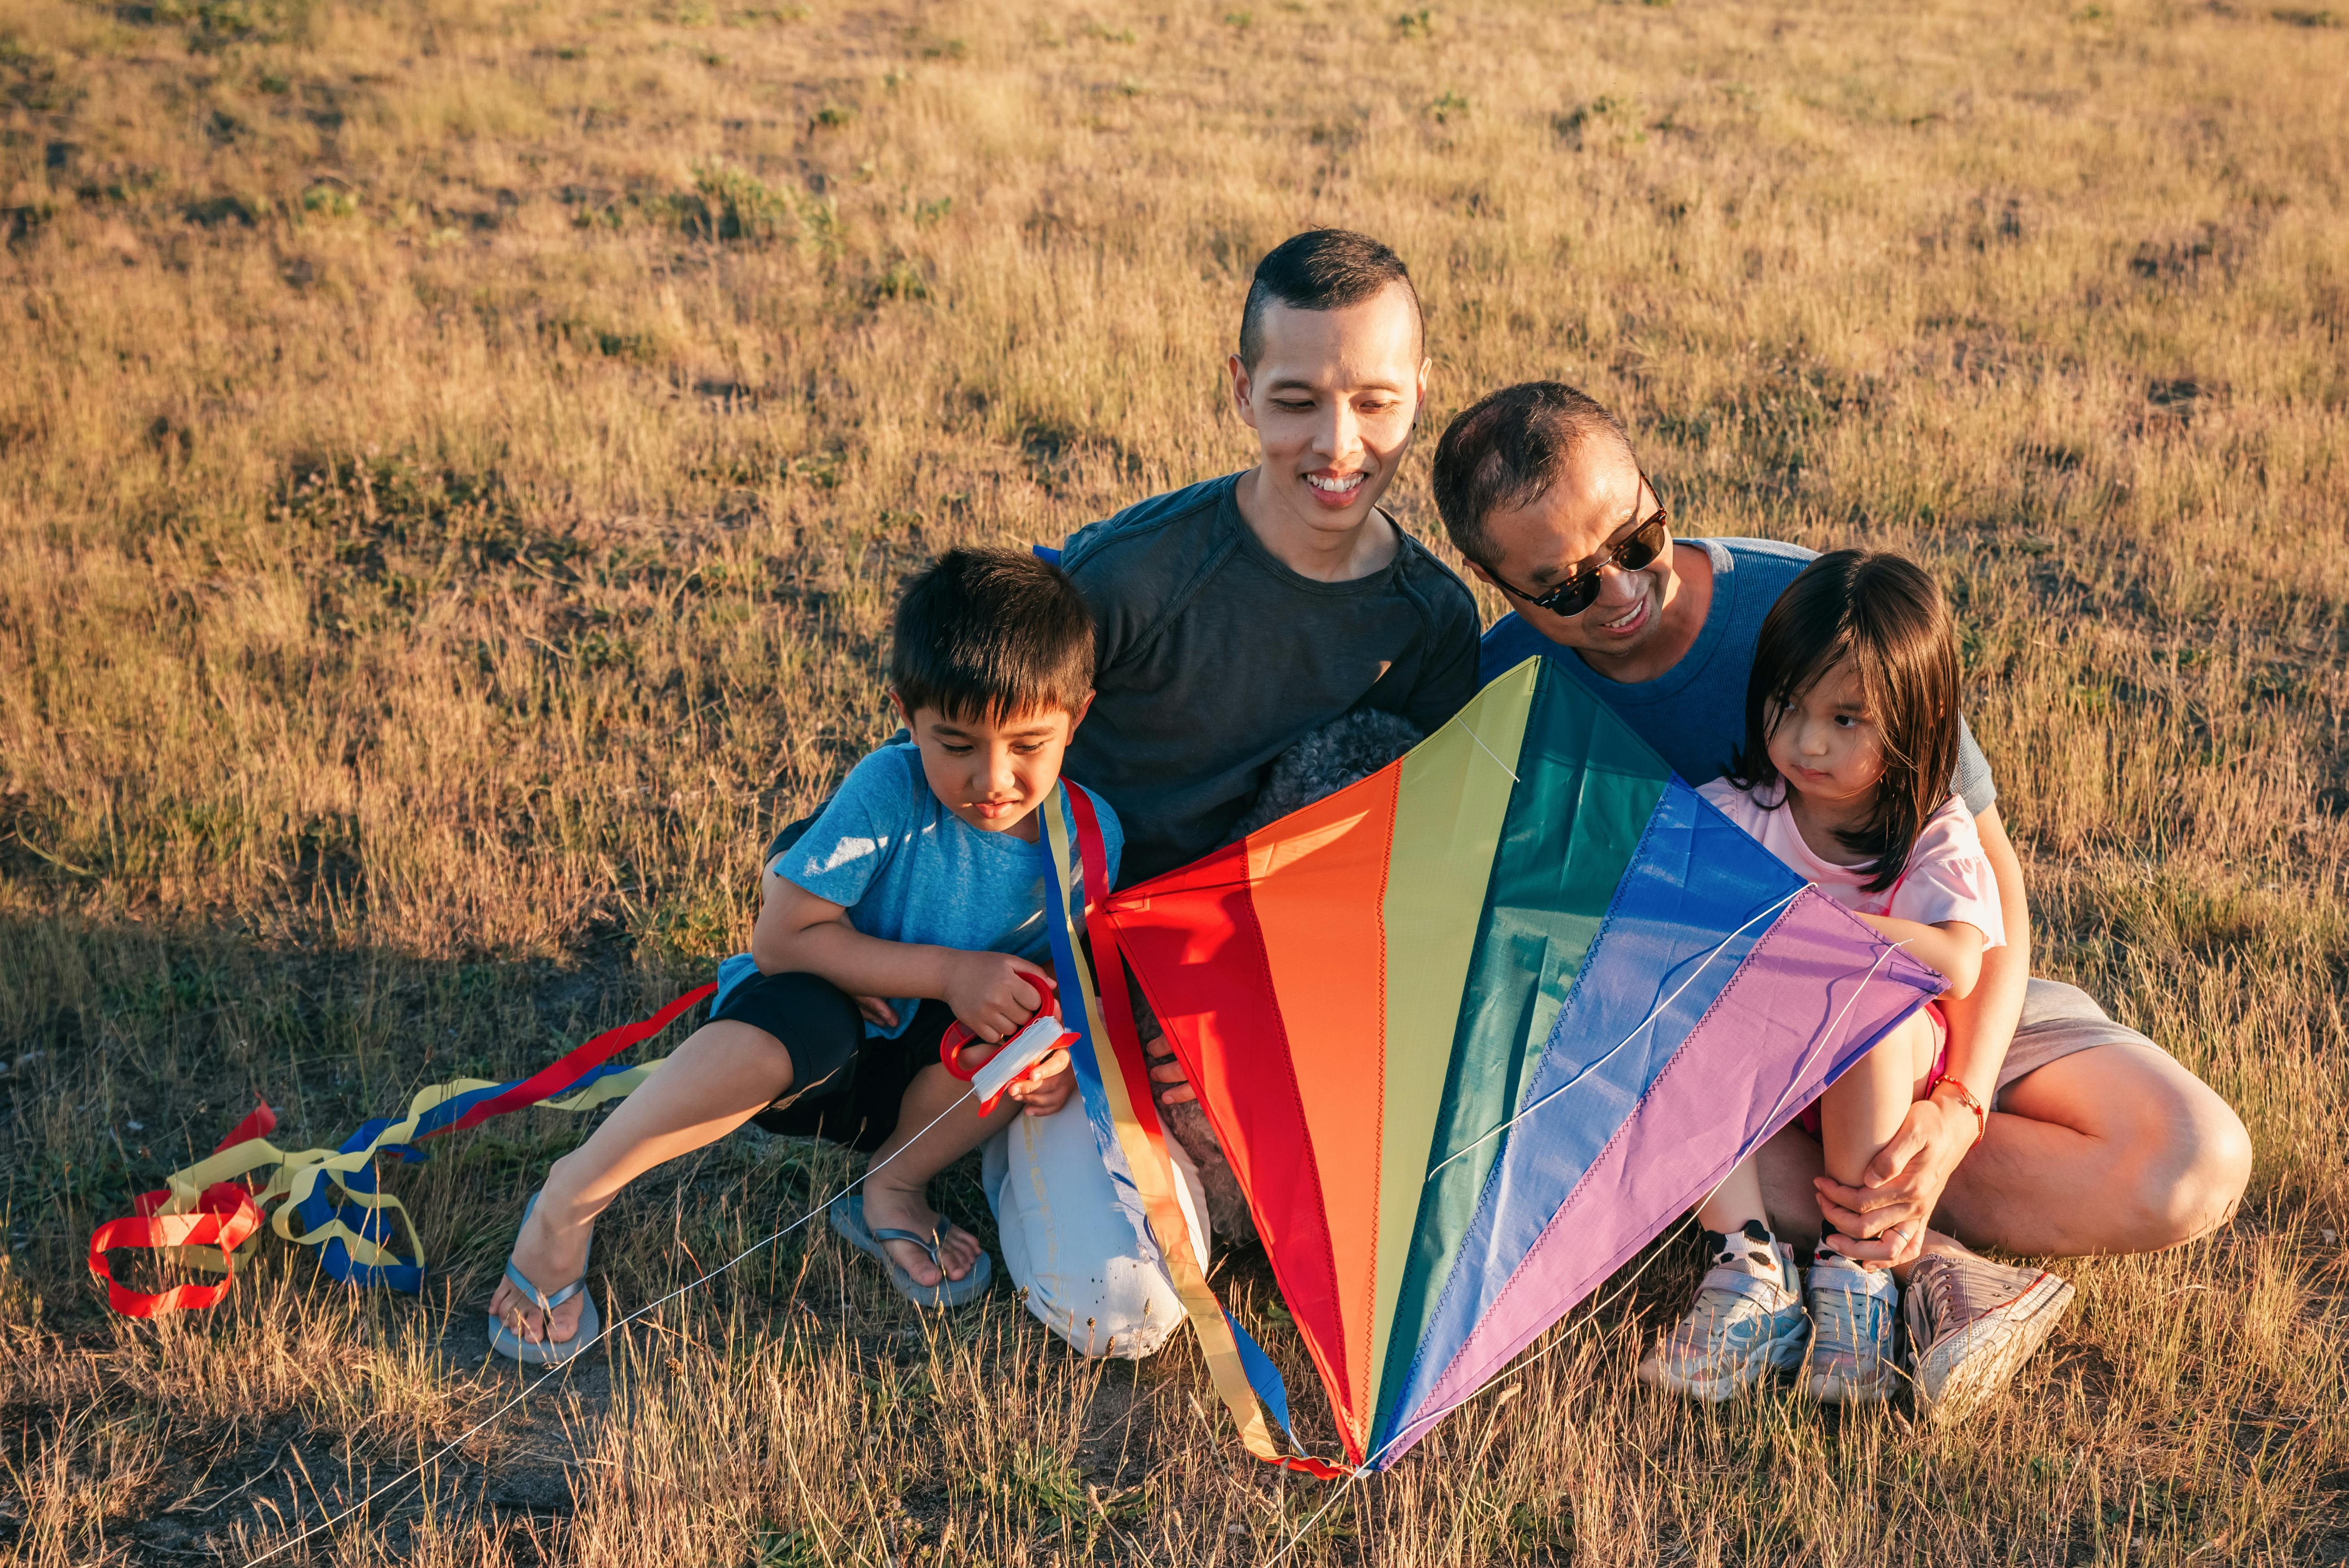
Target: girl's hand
(1882,1222)
(990,994)
(877,1010)
(1046,1087)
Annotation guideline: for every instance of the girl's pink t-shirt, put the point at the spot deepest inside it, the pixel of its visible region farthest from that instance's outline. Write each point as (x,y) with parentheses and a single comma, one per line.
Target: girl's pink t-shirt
(1947,877)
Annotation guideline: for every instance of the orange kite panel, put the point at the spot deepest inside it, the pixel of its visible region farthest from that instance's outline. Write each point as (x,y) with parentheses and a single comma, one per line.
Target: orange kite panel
(1319,888)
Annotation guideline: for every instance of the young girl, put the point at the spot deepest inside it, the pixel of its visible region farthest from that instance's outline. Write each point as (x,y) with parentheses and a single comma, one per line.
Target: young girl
(1851,736)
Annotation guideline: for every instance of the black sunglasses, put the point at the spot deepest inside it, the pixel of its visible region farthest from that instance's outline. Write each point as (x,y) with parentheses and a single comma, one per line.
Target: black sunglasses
(1633,551)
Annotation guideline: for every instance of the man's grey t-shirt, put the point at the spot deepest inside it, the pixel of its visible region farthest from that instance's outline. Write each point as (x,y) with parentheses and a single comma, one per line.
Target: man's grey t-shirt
(1694,713)
(1213,657)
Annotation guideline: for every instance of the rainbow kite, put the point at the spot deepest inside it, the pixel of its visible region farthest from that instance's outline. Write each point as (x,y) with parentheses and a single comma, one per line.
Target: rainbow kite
(1472,1031)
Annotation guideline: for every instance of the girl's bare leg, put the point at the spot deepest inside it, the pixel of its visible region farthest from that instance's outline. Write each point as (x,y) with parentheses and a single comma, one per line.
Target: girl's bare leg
(1861,1110)
(724,1074)
(1858,1113)
(1737,1200)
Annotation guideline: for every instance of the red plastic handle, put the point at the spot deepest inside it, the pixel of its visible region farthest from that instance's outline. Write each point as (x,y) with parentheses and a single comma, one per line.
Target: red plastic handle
(959,1037)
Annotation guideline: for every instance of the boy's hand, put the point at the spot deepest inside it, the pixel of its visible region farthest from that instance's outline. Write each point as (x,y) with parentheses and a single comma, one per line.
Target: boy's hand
(1046,1087)
(990,994)
(877,1010)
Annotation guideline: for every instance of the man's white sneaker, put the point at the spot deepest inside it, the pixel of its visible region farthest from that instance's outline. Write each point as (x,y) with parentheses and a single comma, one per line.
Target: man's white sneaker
(1746,1321)
(1972,1323)
(1852,1310)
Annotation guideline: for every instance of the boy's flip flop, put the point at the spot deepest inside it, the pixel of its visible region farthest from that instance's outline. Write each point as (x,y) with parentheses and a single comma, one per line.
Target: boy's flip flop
(847,1217)
(546,1352)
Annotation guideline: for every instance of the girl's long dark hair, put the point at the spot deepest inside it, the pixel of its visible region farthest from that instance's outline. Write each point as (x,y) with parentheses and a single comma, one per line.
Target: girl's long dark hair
(1881,612)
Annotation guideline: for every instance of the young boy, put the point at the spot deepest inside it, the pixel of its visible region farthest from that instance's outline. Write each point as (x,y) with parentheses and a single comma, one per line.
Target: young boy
(915,898)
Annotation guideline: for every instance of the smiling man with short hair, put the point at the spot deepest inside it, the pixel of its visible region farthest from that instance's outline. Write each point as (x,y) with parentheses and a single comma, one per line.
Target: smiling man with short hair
(1241,613)
(1234,618)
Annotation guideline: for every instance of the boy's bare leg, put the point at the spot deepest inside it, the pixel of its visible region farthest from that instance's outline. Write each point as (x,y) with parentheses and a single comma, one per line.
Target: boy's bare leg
(897,1193)
(724,1074)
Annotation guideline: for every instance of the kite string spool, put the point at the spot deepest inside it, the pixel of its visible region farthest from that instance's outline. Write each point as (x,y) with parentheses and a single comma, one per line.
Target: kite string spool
(563,1366)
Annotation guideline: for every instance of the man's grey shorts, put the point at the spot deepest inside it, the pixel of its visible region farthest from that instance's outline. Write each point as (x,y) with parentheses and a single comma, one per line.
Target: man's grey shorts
(2058,1020)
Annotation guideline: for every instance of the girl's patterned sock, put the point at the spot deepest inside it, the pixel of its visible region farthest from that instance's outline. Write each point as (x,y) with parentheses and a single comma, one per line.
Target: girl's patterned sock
(1751,1249)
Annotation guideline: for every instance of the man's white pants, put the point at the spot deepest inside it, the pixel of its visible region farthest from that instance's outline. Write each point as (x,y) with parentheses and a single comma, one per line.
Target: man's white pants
(1072,1251)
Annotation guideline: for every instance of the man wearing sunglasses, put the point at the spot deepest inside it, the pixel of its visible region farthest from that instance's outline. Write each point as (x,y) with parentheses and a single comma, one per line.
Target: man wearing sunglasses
(2102,1142)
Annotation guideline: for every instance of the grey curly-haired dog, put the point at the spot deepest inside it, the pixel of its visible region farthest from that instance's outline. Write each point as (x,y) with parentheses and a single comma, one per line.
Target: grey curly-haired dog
(1328,759)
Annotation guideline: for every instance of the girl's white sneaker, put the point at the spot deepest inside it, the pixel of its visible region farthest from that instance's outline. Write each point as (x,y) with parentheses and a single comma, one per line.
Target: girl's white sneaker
(1853,1313)
(1747,1321)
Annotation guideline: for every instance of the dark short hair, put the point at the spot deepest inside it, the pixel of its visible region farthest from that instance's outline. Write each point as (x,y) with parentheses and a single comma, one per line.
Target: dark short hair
(1505,449)
(1884,613)
(1320,269)
(991,634)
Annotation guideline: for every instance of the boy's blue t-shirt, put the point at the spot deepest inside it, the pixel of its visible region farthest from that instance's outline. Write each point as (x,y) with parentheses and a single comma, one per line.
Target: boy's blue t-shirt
(1694,713)
(908,869)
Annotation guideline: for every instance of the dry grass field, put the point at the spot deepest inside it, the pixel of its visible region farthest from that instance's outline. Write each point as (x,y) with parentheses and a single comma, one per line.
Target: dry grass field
(454,463)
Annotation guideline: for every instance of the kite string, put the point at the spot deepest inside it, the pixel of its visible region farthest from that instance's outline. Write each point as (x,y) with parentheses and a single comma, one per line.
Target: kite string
(1491,753)
(1607,1054)
(564,1365)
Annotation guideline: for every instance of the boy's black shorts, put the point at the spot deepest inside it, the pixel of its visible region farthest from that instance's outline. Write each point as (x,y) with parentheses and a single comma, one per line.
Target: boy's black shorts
(844,1087)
